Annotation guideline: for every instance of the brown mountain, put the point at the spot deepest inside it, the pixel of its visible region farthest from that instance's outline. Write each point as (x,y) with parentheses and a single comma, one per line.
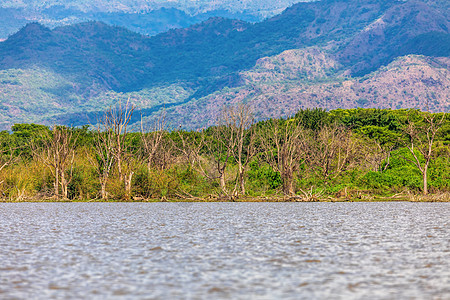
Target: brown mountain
(299,79)
(330,53)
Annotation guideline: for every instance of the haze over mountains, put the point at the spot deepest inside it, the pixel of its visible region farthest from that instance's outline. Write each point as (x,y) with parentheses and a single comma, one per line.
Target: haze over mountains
(144,16)
(331,54)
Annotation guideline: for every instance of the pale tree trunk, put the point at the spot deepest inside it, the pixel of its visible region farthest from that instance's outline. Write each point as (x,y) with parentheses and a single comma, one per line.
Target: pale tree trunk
(288,183)
(56,182)
(103,190)
(127,181)
(241,182)
(223,185)
(425,180)
(64,185)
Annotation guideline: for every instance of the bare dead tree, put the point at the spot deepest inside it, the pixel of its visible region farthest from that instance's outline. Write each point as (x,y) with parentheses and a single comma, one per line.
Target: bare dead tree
(220,146)
(157,147)
(104,157)
(420,137)
(241,139)
(232,137)
(56,149)
(378,144)
(285,145)
(333,151)
(190,147)
(115,121)
(377,154)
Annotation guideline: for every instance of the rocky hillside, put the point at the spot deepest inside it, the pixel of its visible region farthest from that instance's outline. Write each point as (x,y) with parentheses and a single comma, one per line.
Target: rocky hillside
(299,79)
(331,53)
(409,27)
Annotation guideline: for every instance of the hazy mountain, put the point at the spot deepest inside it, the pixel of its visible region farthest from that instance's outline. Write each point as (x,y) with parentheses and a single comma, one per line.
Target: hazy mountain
(143,16)
(307,56)
(262,7)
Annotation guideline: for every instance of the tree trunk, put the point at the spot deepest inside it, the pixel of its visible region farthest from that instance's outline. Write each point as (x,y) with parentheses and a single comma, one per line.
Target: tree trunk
(64,185)
(222,183)
(128,185)
(56,183)
(103,186)
(288,184)
(241,182)
(425,180)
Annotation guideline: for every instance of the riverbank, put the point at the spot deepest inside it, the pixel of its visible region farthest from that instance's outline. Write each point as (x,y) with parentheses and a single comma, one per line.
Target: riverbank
(342,155)
(400,197)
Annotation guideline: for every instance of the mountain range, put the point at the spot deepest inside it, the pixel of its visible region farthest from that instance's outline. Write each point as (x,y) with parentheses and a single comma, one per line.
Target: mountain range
(147,17)
(330,53)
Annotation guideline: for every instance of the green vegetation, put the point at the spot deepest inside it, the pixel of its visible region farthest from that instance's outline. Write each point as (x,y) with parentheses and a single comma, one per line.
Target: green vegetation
(364,154)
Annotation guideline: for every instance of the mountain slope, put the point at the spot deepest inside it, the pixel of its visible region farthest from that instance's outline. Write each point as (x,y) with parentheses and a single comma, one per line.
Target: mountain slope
(409,27)
(303,54)
(213,48)
(308,79)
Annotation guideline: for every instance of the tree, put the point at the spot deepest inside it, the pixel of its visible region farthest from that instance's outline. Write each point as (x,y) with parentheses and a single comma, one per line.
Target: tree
(380,142)
(420,132)
(115,124)
(6,150)
(285,144)
(333,150)
(220,145)
(240,121)
(157,147)
(56,149)
(104,157)
(190,146)
(233,137)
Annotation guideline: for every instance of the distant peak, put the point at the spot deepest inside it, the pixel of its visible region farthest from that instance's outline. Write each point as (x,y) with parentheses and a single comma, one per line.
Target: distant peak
(34,27)
(31,31)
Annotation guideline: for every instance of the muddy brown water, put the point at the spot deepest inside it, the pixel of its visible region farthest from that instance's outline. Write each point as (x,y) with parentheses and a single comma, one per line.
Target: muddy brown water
(225,250)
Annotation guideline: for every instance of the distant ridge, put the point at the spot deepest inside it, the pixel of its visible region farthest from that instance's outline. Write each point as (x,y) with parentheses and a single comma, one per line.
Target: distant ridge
(191,72)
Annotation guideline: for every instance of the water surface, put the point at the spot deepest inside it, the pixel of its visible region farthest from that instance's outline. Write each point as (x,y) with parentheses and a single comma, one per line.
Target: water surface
(225,250)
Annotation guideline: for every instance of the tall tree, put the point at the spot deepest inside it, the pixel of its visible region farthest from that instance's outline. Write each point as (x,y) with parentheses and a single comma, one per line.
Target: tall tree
(333,150)
(115,122)
(420,132)
(157,147)
(240,121)
(104,157)
(285,144)
(56,149)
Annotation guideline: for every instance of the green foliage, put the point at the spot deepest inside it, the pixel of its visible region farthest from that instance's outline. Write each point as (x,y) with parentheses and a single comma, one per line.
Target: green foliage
(381,164)
(262,178)
(313,119)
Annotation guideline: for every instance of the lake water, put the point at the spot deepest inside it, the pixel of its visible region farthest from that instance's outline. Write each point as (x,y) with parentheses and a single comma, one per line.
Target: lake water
(225,250)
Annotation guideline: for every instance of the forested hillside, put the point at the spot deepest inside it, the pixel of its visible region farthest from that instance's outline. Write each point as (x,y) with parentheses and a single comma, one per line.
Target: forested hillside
(330,54)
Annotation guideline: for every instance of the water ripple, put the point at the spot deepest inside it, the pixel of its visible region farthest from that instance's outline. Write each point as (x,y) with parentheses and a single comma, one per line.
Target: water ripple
(225,250)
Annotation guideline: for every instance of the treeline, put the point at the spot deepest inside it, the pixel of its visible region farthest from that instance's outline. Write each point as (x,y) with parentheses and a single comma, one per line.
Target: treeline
(315,154)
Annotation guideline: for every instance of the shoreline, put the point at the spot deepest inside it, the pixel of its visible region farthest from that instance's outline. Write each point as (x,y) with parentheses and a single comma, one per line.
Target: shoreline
(403,198)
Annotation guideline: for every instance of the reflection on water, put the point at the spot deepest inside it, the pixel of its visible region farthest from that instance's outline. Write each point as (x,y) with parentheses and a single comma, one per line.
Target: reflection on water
(225,250)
